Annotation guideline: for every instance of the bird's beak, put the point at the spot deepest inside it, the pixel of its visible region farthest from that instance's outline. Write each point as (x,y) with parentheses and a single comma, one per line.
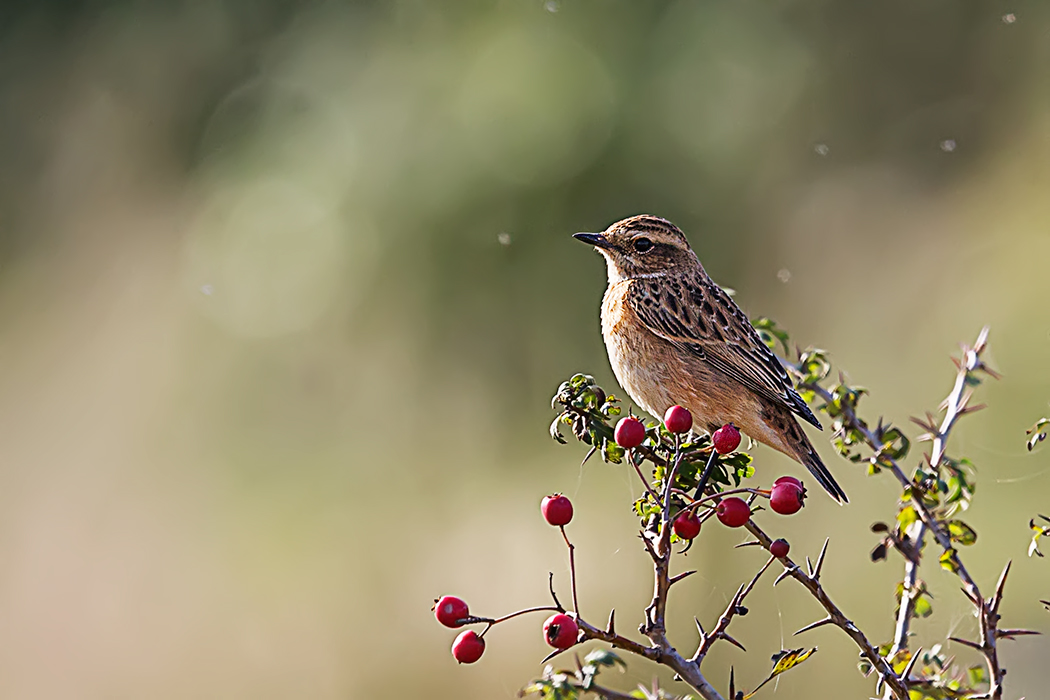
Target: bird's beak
(598,240)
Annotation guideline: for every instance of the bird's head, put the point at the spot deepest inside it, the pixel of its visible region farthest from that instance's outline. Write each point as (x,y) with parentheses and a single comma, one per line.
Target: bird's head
(642,246)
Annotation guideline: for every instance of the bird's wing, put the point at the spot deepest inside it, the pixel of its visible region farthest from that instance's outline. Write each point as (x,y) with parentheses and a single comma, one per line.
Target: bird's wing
(704,320)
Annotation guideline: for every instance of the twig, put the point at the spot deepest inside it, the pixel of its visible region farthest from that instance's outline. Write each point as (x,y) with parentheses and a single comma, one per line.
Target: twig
(955,405)
(638,469)
(572,570)
(719,630)
(835,616)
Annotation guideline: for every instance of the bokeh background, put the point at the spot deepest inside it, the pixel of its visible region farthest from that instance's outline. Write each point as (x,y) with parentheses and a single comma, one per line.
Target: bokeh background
(285,288)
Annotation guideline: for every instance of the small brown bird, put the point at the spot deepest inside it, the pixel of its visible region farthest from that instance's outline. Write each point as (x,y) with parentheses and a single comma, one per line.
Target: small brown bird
(675,337)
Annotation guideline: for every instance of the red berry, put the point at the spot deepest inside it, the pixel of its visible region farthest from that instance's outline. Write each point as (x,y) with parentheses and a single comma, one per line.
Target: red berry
(449,609)
(786,498)
(779,548)
(556,509)
(678,419)
(629,432)
(687,525)
(726,439)
(788,479)
(560,631)
(733,512)
(468,647)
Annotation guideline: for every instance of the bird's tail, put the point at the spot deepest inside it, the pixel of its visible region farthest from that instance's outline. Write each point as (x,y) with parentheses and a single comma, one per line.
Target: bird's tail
(786,435)
(811,461)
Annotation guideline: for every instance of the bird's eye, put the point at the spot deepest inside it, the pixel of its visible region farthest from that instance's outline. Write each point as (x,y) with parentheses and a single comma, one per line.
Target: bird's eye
(643,245)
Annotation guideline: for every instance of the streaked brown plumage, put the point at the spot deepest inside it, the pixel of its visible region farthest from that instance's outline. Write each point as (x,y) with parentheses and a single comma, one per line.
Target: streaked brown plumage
(675,337)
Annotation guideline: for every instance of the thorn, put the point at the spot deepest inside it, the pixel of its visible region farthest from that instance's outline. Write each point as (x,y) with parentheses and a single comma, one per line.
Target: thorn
(911,664)
(809,567)
(679,577)
(820,559)
(997,598)
(982,339)
(700,629)
(587,456)
(732,641)
(966,642)
(748,544)
(787,572)
(550,585)
(649,547)
(880,683)
(610,628)
(732,684)
(972,599)
(926,425)
(1010,634)
(551,655)
(990,372)
(813,626)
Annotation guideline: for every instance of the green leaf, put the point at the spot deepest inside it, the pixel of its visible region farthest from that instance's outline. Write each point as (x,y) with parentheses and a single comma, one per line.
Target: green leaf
(906,517)
(950,561)
(604,657)
(923,606)
(783,661)
(771,335)
(977,675)
(961,533)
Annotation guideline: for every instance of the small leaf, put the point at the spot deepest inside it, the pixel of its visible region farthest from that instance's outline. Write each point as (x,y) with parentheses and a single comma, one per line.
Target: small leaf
(604,657)
(961,533)
(923,607)
(787,660)
(906,517)
(783,661)
(949,560)
(977,675)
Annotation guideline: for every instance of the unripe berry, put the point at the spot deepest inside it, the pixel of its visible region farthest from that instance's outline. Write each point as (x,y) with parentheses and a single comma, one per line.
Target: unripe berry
(560,631)
(733,512)
(556,509)
(786,498)
(678,419)
(468,647)
(630,432)
(687,525)
(726,439)
(449,609)
(788,479)
(779,548)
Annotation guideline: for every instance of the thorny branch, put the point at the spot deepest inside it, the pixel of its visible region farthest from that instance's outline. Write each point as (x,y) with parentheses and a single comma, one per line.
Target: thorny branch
(930,521)
(707,639)
(810,580)
(956,405)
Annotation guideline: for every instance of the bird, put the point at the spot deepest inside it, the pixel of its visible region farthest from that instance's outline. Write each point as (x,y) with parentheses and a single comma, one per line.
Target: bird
(675,337)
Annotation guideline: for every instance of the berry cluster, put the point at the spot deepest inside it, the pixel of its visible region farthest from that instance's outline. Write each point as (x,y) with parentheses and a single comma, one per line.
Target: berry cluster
(562,629)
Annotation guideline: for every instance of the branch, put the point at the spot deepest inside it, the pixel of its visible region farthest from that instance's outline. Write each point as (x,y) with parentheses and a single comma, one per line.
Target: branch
(661,653)
(955,406)
(707,640)
(811,582)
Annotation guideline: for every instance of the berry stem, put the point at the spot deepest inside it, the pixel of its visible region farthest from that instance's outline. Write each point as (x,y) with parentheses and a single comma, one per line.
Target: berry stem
(490,621)
(572,570)
(630,458)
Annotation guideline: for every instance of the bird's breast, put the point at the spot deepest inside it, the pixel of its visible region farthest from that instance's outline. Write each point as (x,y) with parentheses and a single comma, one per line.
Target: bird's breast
(657,374)
(640,364)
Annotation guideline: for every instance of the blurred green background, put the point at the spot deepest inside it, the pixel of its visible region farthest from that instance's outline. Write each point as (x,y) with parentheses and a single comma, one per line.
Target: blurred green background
(285,288)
